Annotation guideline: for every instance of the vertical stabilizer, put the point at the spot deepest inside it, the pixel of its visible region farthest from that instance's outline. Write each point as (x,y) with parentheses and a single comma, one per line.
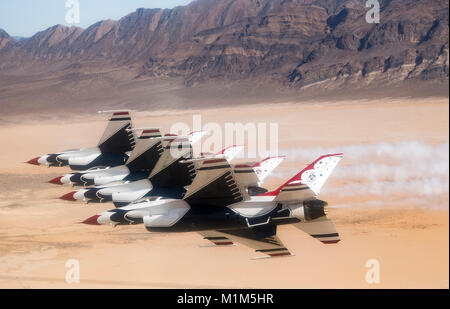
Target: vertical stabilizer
(308,183)
(117,138)
(147,152)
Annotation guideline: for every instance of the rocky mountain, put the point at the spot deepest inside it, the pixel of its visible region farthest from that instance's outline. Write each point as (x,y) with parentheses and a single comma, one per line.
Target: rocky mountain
(18,38)
(4,39)
(296,43)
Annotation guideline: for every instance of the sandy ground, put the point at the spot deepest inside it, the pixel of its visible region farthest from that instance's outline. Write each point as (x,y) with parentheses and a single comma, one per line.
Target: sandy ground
(405,230)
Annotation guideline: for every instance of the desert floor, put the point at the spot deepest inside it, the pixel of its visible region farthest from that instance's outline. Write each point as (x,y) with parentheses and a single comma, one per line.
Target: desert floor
(388,198)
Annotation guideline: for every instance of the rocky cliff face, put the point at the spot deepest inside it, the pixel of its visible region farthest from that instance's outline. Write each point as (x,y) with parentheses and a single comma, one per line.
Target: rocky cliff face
(4,39)
(297,43)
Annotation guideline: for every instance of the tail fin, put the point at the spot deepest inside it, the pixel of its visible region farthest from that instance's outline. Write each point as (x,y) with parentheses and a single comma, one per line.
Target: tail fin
(170,170)
(214,185)
(230,152)
(195,136)
(116,138)
(147,151)
(309,181)
(266,167)
(321,229)
(148,132)
(254,174)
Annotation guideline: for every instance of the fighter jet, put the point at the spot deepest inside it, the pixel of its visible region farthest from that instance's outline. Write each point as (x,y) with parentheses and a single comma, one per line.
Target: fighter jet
(111,150)
(251,176)
(217,207)
(142,160)
(168,175)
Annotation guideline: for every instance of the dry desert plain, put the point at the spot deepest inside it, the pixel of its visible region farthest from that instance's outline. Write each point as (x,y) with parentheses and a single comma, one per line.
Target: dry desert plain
(388,197)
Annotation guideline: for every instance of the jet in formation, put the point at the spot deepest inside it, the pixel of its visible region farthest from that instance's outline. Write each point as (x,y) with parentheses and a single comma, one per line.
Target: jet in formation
(218,207)
(156,181)
(161,171)
(117,140)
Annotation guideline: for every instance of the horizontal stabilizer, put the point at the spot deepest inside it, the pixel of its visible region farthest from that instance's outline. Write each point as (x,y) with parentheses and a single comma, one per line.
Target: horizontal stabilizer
(270,246)
(217,238)
(322,229)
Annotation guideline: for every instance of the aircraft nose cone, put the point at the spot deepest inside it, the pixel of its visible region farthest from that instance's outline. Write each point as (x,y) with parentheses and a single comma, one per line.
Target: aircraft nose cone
(92,220)
(34,161)
(57,180)
(69,196)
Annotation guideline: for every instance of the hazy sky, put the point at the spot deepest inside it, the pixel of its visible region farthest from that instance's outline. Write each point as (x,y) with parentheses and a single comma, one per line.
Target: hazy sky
(26,17)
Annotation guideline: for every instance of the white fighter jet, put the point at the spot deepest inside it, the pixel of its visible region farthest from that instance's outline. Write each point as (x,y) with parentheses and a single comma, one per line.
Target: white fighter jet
(219,208)
(116,141)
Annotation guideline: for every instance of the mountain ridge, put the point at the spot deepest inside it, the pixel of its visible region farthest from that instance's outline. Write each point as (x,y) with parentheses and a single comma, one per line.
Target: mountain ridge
(296,43)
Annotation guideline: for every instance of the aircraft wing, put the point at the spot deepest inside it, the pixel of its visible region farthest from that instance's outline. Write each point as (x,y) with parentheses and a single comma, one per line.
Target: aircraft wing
(321,228)
(271,246)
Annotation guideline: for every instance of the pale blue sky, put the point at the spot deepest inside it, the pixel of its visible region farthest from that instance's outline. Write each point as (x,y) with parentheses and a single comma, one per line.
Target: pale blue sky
(26,17)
